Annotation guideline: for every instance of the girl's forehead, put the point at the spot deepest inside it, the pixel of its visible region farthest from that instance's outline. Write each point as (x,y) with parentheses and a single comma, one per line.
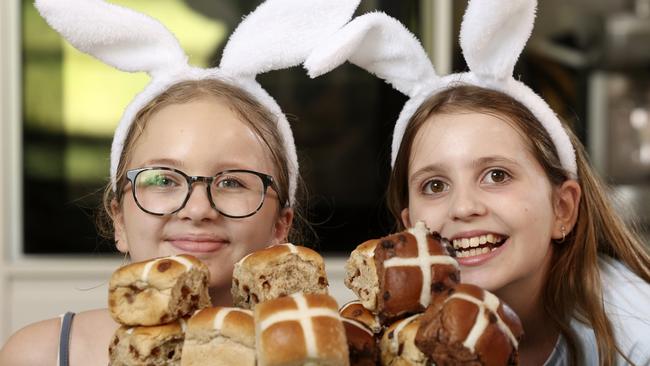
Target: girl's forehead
(453,128)
(201,133)
(467,136)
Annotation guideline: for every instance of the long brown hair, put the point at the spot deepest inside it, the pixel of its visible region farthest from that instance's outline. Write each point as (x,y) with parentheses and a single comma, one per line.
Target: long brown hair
(259,118)
(573,285)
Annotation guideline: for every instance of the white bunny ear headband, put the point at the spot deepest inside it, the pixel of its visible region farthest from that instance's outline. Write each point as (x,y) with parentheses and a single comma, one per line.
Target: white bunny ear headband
(278,34)
(492,37)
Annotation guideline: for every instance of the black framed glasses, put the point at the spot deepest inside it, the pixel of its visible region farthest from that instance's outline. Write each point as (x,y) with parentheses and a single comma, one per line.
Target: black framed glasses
(236,193)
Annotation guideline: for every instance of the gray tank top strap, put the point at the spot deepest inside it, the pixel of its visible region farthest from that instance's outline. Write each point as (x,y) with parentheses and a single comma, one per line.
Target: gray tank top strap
(64,339)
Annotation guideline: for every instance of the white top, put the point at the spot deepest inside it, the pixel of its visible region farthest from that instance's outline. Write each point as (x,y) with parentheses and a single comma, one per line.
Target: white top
(627,304)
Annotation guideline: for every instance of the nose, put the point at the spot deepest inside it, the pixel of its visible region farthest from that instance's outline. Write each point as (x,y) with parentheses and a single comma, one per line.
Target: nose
(466,204)
(198,206)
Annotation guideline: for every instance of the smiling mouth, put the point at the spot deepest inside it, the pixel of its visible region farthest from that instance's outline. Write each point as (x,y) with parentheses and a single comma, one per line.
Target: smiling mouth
(198,246)
(477,245)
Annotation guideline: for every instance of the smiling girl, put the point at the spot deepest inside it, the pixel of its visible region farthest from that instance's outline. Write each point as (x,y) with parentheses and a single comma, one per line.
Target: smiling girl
(477,167)
(203,161)
(487,163)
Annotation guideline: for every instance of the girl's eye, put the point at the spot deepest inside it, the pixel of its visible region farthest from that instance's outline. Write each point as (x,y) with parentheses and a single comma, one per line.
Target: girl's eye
(434,186)
(158,180)
(229,183)
(496,176)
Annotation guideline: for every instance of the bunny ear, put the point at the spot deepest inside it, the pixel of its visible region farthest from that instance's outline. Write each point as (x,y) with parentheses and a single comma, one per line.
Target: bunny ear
(379,44)
(281,33)
(120,37)
(493,35)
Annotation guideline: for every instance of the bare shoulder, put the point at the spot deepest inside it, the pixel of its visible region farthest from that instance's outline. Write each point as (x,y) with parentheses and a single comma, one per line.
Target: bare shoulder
(43,335)
(90,335)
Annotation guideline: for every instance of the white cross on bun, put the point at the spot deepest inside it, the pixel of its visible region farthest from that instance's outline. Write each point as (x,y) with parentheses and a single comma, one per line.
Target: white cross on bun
(220,336)
(469,325)
(361,330)
(356,311)
(399,274)
(277,271)
(158,291)
(300,329)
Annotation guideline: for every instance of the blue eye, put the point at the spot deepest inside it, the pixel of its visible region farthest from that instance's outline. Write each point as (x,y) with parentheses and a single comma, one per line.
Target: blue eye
(434,186)
(229,183)
(159,179)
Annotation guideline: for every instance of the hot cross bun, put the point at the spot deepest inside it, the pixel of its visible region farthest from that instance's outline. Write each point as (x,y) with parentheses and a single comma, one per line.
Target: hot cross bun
(148,345)
(397,275)
(356,311)
(220,336)
(277,271)
(300,329)
(469,326)
(397,346)
(158,291)
(362,331)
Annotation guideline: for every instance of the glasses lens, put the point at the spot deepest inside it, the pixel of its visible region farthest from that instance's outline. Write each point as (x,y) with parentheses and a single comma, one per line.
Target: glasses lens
(237,193)
(160,191)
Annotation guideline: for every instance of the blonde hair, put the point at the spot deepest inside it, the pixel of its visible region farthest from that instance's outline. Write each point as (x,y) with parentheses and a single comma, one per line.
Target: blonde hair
(259,118)
(573,284)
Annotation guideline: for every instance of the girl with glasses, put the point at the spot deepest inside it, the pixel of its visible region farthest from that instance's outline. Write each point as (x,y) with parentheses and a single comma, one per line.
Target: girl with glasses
(485,162)
(203,161)
(210,129)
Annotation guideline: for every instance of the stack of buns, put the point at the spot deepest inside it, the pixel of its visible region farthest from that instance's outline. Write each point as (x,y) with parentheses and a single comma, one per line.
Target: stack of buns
(411,310)
(163,306)
(408,283)
(151,300)
(296,321)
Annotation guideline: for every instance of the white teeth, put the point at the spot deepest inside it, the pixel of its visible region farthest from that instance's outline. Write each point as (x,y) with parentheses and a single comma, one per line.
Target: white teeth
(465,243)
(475,241)
(467,247)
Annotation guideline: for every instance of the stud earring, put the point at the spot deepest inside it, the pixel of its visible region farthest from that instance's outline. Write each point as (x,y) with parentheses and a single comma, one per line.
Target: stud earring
(563,230)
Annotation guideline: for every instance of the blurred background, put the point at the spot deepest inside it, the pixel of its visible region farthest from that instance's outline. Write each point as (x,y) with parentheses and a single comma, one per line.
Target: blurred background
(589,58)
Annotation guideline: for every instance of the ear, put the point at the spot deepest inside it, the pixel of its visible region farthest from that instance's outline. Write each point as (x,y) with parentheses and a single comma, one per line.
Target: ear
(406,218)
(282,226)
(566,203)
(118,227)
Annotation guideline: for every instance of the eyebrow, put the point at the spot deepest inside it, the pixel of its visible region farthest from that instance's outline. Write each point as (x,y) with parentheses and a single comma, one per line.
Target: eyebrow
(428,169)
(489,160)
(165,162)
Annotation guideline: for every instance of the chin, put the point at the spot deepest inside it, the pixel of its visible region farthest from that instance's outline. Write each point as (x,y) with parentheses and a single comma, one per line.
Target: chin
(478,279)
(220,280)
